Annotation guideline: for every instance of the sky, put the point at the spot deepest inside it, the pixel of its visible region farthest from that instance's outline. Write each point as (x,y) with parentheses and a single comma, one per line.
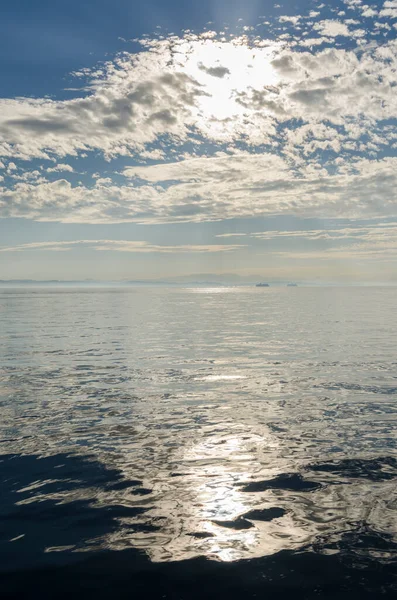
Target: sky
(172,139)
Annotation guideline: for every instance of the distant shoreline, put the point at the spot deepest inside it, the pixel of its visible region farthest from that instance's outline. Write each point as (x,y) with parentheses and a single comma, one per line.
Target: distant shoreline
(54,283)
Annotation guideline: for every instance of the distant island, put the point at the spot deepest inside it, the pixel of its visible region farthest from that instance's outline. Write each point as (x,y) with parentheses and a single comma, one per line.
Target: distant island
(292,285)
(262,285)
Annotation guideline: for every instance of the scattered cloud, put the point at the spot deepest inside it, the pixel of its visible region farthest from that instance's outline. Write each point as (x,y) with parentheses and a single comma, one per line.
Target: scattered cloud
(202,189)
(332,28)
(239,126)
(389,9)
(374,241)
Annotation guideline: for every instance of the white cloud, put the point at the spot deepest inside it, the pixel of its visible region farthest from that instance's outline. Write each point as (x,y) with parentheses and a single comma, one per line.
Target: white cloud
(117,118)
(172,87)
(379,232)
(389,12)
(294,108)
(26,175)
(389,9)
(369,12)
(227,235)
(353,4)
(309,42)
(375,242)
(294,20)
(203,189)
(60,167)
(224,168)
(332,28)
(242,93)
(119,246)
(104,181)
(153,154)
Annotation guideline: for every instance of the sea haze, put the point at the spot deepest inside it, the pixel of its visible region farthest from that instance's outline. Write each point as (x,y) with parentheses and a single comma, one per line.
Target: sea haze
(155,437)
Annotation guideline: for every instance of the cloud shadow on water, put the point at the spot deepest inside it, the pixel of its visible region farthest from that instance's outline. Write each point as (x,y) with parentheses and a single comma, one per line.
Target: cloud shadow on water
(46,503)
(49,509)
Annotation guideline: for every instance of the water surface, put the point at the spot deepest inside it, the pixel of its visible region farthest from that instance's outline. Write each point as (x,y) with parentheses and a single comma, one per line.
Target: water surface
(224,423)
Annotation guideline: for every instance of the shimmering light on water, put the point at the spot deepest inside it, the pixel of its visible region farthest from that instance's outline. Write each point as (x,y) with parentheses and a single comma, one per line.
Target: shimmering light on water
(225,422)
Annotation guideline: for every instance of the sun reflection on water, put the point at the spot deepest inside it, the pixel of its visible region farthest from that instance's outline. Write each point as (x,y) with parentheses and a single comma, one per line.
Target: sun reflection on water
(189,416)
(217,464)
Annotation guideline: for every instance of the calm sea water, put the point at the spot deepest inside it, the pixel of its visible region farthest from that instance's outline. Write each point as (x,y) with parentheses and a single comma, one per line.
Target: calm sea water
(225,423)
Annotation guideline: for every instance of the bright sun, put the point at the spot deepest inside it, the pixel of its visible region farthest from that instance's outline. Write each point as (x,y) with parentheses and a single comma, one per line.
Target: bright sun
(228,71)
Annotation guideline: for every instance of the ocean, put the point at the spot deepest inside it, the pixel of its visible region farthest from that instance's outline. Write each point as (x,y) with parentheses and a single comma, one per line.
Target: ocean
(193,442)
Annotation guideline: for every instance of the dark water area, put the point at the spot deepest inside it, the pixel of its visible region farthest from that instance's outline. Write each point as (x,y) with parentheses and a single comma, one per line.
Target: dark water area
(198,443)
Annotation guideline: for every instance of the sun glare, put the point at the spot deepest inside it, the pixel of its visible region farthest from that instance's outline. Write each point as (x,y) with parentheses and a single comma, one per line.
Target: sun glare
(227,71)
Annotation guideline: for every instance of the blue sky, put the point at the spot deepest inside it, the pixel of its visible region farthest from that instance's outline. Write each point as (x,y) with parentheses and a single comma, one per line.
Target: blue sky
(168,139)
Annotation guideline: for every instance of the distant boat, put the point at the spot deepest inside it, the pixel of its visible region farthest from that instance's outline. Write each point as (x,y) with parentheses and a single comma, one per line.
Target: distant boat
(262,285)
(292,285)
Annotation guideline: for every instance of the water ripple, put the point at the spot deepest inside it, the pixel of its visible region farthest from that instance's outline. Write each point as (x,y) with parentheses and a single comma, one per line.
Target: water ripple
(189,423)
